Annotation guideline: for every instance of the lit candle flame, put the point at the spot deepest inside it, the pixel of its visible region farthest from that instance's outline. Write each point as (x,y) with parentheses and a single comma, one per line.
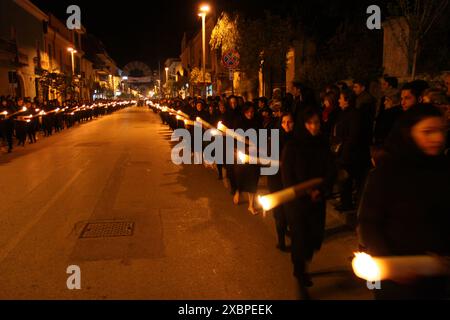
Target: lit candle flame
(243,157)
(366,267)
(265,203)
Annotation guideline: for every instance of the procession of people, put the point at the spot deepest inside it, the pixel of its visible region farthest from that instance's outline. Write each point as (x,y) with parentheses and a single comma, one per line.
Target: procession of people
(384,157)
(22,119)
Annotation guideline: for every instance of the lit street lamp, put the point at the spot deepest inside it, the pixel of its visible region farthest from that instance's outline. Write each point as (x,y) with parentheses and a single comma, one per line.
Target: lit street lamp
(72,52)
(167,78)
(204,9)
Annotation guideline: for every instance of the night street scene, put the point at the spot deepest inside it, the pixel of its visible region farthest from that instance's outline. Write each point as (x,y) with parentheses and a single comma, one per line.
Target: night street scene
(225,150)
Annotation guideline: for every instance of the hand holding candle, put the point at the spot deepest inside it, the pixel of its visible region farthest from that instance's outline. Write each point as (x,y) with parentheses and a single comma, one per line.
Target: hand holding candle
(275,199)
(396,267)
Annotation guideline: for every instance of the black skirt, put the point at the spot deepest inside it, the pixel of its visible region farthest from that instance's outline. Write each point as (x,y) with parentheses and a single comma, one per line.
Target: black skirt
(247,176)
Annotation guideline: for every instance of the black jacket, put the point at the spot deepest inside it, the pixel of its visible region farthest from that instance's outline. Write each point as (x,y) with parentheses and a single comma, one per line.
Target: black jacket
(366,104)
(348,134)
(302,160)
(405,208)
(385,123)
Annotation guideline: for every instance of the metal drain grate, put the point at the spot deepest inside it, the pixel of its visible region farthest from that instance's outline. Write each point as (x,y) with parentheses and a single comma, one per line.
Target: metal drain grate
(107,229)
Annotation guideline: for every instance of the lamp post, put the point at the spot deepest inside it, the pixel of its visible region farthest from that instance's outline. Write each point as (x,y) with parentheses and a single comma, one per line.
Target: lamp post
(72,52)
(204,9)
(167,79)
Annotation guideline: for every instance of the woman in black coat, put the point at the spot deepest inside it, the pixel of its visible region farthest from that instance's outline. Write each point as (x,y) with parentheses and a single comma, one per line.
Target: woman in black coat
(305,158)
(351,151)
(405,208)
(247,175)
(275,183)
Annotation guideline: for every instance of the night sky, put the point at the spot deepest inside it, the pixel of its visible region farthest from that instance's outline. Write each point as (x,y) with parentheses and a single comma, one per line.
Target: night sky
(151,31)
(147,31)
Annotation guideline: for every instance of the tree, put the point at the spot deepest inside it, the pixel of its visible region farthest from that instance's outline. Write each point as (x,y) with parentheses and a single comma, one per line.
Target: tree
(265,38)
(420,16)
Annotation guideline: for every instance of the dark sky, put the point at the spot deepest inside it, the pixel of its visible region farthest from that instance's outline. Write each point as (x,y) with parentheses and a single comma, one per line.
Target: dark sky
(139,30)
(132,30)
(152,30)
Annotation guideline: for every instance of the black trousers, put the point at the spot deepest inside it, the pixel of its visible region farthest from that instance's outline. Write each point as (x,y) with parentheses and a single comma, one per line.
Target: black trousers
(281,224)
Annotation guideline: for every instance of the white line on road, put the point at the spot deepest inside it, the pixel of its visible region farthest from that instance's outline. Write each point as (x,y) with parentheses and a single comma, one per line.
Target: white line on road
(6,250)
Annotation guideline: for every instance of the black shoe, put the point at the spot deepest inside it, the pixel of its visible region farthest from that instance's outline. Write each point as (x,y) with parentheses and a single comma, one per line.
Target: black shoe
(307,281)
(283,248)
(303,292)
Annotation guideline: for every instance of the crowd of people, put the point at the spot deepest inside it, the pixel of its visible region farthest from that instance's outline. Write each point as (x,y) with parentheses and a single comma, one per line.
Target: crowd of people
(22,119)
(385,156)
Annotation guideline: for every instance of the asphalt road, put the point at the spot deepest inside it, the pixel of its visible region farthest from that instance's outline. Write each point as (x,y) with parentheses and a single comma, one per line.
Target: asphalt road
(189,241)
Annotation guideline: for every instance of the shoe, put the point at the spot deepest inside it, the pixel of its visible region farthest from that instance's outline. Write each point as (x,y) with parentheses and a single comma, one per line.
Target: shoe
(307,281)
(303,292)
(283,248)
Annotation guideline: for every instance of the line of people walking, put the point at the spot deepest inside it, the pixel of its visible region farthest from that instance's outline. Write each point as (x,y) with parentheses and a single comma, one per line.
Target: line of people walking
(22,119)
(344,135)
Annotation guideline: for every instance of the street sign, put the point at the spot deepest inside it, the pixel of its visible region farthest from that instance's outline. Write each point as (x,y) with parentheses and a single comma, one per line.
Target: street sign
(230,59)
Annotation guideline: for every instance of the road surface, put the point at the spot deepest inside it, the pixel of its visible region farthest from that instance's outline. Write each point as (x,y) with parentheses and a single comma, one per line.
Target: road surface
(188,242)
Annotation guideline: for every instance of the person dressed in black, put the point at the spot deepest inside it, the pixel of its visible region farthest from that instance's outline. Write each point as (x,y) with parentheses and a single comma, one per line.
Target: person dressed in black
(247,174)
(20,124)
(350,150)
(7,122)
(232,116)
(275,183)
(304,158)
(405,209)
(330,113)
(387,117)
(221,116)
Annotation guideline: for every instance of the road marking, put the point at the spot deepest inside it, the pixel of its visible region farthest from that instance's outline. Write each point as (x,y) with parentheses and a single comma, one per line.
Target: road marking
(6,250)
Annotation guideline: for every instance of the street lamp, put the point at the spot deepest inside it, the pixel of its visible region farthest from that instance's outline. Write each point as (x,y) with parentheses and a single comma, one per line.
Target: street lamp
(204,9)
(167,78)
(72,52)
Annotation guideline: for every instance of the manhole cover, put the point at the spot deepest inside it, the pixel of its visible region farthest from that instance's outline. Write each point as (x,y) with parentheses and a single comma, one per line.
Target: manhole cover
(107,229)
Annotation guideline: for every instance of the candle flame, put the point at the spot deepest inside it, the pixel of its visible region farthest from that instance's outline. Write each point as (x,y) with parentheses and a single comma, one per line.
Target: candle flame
(365,267)
(265,203)
(243,157)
